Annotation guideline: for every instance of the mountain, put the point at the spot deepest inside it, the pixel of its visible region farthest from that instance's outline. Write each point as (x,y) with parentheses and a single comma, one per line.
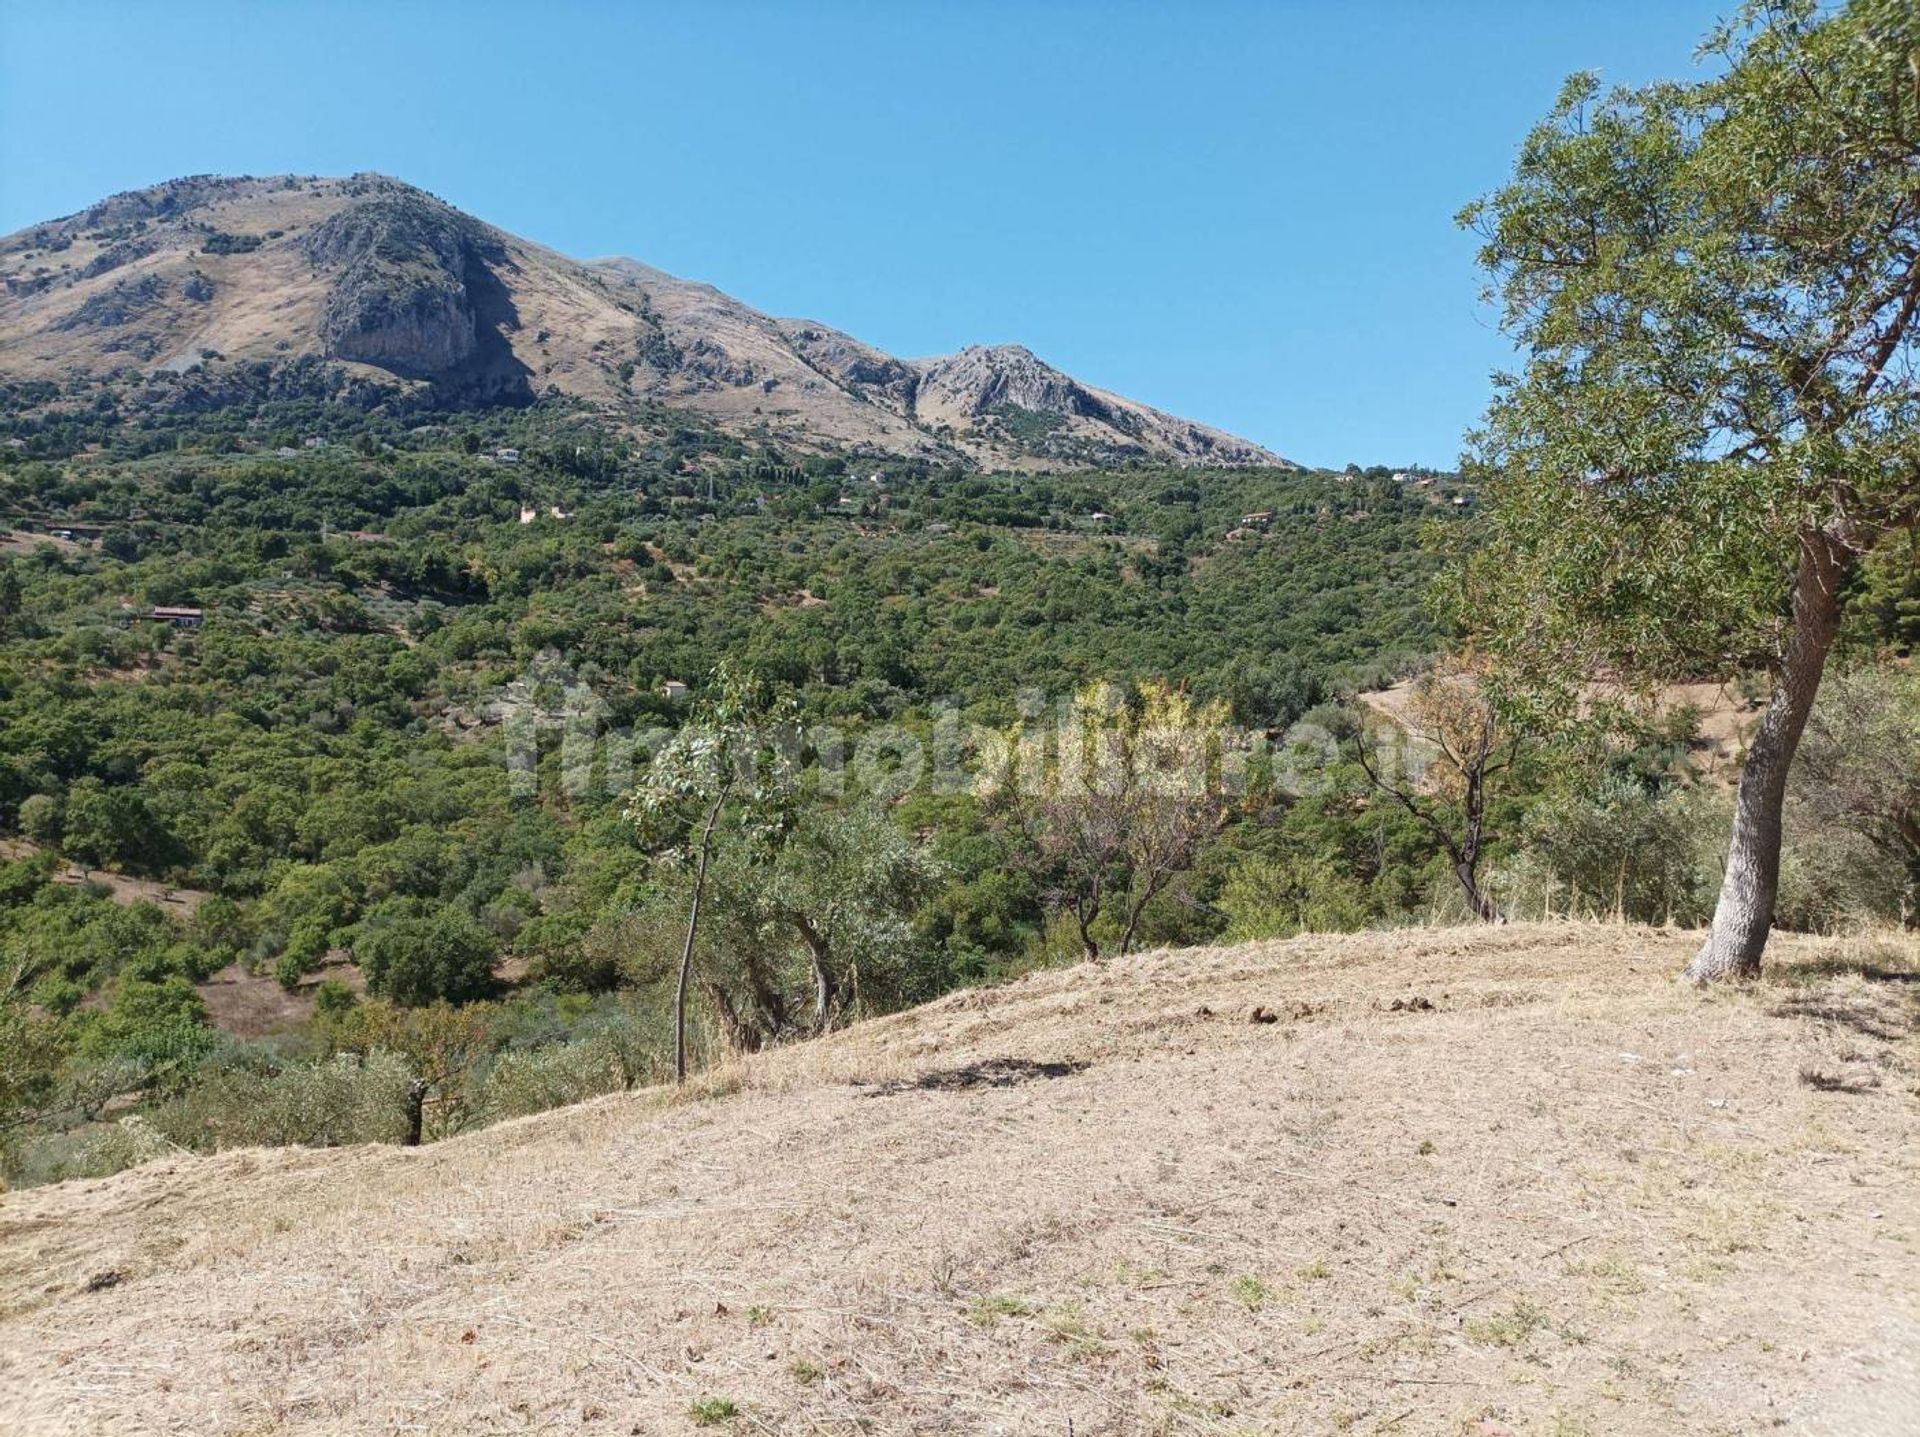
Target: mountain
(208,291)
(1465,1182)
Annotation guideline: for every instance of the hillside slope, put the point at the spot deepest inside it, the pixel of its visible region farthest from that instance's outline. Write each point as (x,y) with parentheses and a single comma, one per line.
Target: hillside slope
(1566,1197)
(210,290)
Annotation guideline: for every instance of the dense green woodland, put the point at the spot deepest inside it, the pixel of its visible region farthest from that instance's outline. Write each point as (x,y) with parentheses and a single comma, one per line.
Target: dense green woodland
(320,758)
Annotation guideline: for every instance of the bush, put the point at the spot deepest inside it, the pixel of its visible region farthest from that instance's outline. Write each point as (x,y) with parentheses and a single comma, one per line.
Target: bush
(416,956)
(93,1152)
(1833,877)
(1279,897)
(345,1099)
(1624,852)
(162,1025)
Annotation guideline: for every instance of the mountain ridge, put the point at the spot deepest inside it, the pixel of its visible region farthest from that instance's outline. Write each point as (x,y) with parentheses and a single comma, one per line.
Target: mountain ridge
(208,289)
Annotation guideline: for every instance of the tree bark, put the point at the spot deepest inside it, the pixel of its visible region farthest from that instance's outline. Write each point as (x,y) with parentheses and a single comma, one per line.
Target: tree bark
(416,1111)
(1743,916)
(1484,908)
(686,953)
(825,989)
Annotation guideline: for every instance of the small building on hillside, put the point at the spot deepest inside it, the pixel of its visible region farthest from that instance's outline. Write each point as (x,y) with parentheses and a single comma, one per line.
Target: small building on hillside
(507,456)
(528,513)
(314,441)
(673,691)
(179,615)
(1259,519)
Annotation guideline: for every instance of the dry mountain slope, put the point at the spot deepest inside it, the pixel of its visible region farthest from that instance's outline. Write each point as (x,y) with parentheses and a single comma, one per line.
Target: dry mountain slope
(1447,1182)
(209,290)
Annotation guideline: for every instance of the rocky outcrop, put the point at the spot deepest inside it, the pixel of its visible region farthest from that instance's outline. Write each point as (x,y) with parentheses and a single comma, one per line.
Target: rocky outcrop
(982,378)
(402,295)
(852,365)
(367,286)
(123,303)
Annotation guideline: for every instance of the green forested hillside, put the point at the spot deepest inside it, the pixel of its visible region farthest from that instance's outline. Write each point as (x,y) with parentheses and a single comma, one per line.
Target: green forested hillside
(323,756)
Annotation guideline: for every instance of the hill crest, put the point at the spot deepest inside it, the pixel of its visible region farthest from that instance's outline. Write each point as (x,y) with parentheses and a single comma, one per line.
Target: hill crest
(1440,1181)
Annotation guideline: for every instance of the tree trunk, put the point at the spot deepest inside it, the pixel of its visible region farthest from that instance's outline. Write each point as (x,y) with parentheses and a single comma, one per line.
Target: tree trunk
(416,1111)
(1743,916)
(825,989)
(1469,879)
(686,953)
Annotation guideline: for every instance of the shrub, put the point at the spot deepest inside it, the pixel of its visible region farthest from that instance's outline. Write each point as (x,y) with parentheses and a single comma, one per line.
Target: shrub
(344,1099)
(160,1024)
(1279,897)
(1622,851)
(417,956)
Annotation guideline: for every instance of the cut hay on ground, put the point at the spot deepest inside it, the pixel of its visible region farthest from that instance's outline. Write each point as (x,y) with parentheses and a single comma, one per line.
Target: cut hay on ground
(1566,1197)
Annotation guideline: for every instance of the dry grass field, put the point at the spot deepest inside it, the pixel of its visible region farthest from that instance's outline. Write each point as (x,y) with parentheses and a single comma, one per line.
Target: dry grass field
(1435,1181)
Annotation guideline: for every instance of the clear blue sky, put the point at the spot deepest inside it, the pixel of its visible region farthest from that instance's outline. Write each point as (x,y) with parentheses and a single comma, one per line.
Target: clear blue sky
(1238,212)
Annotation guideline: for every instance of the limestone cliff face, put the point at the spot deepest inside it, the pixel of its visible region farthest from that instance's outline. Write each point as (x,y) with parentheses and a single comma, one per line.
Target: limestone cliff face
(853,365)
(400,295)
(981,378)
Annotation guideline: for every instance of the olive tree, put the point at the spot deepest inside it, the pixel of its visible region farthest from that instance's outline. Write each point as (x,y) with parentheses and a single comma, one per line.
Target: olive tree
(812,913)
(1714,286)
(719,766)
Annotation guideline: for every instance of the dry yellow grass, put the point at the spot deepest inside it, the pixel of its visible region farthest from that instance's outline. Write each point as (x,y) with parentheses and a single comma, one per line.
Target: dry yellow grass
(1568,1197)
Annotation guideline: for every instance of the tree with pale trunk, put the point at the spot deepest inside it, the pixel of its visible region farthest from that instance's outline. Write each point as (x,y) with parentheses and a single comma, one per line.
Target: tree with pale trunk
(722,766)
(1714,285)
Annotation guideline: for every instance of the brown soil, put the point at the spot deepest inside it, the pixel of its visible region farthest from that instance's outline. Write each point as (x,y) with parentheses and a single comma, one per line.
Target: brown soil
(1551,1193)
(253,1005)
(1726,719)
(179,901)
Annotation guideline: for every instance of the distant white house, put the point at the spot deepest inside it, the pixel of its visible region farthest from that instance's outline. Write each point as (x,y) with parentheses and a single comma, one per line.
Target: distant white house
(673,691)
(1259,519)
(558,512)
(528,513)
(180,616)
(507,456)
(287,451)
(314,441)
(1460,501)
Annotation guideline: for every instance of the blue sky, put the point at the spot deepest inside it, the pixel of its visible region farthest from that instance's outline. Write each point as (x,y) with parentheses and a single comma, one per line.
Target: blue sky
(1238,212)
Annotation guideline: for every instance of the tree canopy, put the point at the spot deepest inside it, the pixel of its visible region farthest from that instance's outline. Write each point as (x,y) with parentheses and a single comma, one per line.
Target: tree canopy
(1714,285)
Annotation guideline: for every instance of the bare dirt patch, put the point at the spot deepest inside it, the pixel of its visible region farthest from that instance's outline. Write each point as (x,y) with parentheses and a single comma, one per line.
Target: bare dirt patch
(120,887)
(254,1005)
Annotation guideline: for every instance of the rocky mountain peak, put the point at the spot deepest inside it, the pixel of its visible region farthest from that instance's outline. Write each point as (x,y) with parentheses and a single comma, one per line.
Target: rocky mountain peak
(210,290)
